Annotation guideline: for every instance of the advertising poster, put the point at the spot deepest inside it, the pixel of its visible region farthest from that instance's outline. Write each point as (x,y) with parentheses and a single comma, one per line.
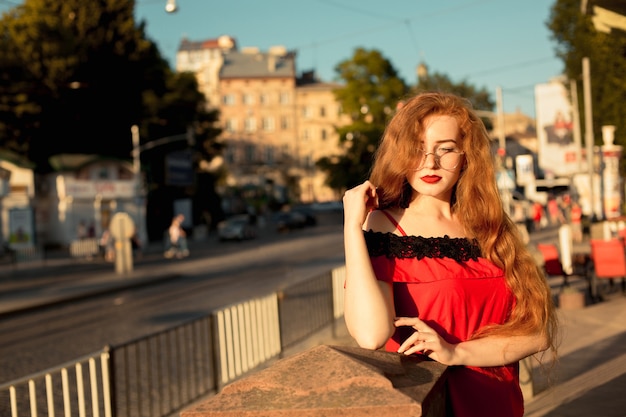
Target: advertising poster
(21,230)
(524,169)
(555,132)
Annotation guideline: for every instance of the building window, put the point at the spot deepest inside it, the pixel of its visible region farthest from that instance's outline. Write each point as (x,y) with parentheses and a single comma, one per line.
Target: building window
(229,155)
(268,124)
(285,122)
(228,100)
(322,111)
(306,134)
(285,98)
(231,125)
(323,134)
(250,124)
(306,112)
(249,153)
(248,99)
(270,156)
(264,99)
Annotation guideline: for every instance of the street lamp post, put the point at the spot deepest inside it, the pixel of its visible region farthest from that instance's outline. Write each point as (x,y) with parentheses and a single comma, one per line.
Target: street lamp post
(188,136)
(502,172)
(137,186)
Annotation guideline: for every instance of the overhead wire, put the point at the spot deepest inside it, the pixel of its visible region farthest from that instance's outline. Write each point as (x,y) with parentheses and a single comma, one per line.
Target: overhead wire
(413,37)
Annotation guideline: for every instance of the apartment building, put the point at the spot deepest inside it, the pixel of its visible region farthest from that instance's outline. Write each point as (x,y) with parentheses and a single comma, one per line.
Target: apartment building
(205,59)
(319,114)
(275,123)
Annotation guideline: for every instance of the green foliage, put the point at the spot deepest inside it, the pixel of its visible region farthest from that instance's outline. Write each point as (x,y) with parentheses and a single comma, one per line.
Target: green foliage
(576,38)
(480,98)
(371,91)
(75,75)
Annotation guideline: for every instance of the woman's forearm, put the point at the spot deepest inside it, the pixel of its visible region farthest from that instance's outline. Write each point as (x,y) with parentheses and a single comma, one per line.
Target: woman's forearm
(368,307)
(497,350)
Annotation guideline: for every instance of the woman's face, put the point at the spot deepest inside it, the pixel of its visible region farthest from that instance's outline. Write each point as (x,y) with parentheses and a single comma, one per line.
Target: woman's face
(438,169)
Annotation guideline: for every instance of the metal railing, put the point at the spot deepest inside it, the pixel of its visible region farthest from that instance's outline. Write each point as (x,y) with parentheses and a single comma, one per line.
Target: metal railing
(80,387)
(159,374)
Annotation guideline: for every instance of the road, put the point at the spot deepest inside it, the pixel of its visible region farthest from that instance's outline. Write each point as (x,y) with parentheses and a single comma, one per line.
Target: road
(218,276)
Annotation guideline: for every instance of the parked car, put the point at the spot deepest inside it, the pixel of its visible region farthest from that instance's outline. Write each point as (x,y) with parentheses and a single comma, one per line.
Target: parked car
(237,227)
(289,220)
(310,219)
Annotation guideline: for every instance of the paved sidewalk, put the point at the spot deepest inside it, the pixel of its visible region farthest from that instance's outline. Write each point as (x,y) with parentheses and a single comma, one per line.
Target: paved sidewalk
(589,380)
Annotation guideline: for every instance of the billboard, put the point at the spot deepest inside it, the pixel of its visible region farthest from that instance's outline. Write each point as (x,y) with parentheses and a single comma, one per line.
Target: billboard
(557,150)
(21,228)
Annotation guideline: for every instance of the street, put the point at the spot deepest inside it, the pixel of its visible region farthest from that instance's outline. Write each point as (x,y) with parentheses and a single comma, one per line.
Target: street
(211,278)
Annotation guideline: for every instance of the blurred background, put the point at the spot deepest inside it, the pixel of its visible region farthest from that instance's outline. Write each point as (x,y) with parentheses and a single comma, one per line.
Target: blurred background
(218,109)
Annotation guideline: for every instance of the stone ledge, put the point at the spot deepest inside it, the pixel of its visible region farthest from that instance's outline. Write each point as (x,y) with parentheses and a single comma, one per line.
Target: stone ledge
(334,381)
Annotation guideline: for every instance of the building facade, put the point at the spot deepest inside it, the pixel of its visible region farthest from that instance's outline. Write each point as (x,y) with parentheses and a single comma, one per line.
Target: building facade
(275,123)
(318,116)
(17,191)
(84,193)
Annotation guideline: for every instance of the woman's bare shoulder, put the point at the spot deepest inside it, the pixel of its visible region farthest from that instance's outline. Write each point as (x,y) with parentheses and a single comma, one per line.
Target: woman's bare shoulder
(377,221)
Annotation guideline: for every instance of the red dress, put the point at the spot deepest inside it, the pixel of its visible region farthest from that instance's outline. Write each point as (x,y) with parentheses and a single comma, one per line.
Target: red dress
(446,283)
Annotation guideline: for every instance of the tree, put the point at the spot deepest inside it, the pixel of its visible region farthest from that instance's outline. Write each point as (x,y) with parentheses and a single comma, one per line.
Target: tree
(480,98)
(576,38)
(76,75)
(371,91)
(72,75)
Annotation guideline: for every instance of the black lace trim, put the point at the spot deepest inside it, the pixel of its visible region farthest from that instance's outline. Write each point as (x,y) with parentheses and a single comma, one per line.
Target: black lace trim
(403,247)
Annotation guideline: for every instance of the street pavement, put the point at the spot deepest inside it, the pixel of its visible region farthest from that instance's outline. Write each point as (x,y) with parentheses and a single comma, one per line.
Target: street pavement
(588,380)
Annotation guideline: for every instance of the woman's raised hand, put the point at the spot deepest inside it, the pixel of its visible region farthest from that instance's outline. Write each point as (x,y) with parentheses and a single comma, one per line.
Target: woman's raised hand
(359,201)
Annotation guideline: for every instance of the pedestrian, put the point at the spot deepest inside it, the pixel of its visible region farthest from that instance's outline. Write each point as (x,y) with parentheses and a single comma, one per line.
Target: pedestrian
(107,245)
(435,267)
(81,230)
(554,212)
(177,238)
(576,218)
(135,243)
(538,216)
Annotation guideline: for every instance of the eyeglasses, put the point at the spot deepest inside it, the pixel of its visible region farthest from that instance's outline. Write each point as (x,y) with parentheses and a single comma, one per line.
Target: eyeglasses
(445,158)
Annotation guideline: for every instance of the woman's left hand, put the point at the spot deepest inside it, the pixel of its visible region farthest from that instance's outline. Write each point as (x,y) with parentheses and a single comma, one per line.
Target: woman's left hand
(425,340)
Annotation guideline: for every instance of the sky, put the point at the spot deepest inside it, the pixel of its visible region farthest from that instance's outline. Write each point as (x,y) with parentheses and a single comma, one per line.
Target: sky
(488,43)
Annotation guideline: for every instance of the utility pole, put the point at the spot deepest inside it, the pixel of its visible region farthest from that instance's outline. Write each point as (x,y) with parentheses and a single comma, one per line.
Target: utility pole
(504,189)
(576,120)
(589,139)
(500,115)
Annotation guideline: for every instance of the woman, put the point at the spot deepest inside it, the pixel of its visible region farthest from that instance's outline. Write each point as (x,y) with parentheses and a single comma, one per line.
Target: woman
(434,265)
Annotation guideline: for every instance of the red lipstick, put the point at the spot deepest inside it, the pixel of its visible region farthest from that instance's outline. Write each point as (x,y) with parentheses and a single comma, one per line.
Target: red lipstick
(431,179)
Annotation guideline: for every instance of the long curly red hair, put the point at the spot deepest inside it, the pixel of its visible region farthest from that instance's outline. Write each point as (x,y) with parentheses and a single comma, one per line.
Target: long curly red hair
(476,201)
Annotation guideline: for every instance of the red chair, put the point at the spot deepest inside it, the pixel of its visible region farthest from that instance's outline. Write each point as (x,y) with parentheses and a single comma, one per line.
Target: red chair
(609,262)
(552,262)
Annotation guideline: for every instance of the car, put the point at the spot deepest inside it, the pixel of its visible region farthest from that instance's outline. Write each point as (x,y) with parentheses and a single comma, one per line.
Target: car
(310,219)
(236,228)
(289,220)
